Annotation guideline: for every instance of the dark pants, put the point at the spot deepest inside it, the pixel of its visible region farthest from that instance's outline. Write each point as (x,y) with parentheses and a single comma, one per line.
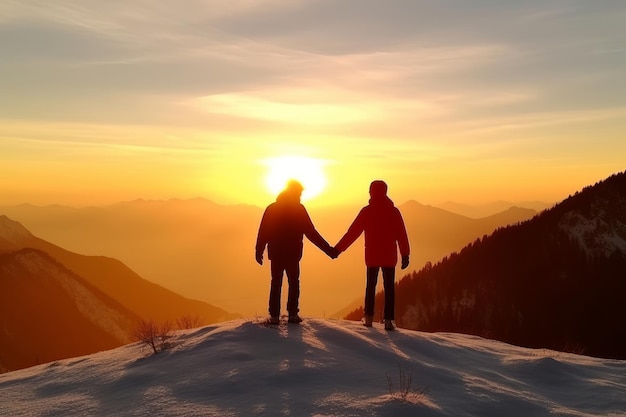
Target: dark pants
(389,274)
(292,269)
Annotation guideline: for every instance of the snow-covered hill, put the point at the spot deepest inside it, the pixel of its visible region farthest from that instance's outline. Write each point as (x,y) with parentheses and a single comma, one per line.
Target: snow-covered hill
(319,368)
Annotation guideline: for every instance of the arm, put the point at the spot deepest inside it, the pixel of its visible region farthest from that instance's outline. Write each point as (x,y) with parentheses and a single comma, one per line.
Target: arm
(354,231)
(313,235)
(403,238)
(403,241)
(262,237)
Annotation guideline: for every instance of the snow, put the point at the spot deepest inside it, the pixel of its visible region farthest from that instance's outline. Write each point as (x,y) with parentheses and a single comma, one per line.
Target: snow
(594,235)
(319,368)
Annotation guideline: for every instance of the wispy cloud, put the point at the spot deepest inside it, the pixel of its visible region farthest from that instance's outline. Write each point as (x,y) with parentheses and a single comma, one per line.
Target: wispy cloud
(381,51)
(429,80)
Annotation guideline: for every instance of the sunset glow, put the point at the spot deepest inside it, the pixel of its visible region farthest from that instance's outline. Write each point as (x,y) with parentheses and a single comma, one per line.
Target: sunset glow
(146,145)
(105,103)
(308,171)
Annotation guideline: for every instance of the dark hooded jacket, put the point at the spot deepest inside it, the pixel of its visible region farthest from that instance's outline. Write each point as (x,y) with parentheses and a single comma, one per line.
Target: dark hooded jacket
(384,232)
(282,228)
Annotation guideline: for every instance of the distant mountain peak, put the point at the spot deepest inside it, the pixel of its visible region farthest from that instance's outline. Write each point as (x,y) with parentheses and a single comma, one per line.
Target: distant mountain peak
(413,203)
(12,231)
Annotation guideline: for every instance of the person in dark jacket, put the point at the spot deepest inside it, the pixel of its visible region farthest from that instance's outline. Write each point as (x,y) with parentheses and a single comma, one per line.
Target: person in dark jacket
(283,225)
(385,233)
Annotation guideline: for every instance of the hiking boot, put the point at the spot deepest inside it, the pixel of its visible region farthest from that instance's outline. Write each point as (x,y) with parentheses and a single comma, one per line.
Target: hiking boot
(294,318)
(367,320)
(273,320)
(389,325)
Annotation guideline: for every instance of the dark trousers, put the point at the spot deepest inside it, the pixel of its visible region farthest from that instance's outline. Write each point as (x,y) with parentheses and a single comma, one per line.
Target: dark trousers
(389,274)
(292,269)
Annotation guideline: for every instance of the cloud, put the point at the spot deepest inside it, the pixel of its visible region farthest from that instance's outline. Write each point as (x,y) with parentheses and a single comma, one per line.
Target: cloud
(313,106)
(367,61)
(543,119)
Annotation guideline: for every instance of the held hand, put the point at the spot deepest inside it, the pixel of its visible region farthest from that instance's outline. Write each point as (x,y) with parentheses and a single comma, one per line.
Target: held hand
(259,258)
(333,253)
(405,261)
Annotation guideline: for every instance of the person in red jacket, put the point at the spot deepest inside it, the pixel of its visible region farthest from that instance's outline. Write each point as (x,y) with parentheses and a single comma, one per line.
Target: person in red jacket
(282,228)
(385,232)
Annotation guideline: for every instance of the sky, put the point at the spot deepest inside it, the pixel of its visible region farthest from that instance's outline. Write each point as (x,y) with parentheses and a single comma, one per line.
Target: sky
(319,368)
(455,100)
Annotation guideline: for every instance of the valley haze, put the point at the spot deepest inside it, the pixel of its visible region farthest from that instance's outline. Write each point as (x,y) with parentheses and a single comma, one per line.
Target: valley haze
(548,280)
(205,251)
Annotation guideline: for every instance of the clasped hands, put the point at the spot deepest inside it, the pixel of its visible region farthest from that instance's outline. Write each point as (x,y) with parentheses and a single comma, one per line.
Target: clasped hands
(332,252)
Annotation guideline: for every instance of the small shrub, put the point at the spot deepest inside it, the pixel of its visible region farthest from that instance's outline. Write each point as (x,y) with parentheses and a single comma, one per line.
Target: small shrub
(403,389)
(188,321)
(155,335)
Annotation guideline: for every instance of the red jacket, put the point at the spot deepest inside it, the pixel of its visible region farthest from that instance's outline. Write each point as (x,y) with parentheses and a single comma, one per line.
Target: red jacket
(384,233)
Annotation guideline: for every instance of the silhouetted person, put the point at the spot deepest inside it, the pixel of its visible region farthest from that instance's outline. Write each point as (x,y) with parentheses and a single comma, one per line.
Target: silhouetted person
(282,228)
(385,232)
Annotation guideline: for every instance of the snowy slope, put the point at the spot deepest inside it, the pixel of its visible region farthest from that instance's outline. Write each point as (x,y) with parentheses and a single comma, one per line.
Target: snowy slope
(320,368)
(598,234)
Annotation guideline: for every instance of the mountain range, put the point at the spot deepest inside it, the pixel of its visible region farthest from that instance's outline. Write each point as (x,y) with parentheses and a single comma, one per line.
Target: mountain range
(205,251)
(58,304)
(55,303)
(555,281)
(477,211)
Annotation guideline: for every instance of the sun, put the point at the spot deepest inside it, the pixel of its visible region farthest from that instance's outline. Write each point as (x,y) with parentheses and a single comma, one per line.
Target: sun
(308,171)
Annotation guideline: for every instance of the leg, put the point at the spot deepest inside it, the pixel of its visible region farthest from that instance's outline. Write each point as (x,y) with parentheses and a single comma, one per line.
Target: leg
(389,274)
(293,278)
(277,269)
(370,290)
